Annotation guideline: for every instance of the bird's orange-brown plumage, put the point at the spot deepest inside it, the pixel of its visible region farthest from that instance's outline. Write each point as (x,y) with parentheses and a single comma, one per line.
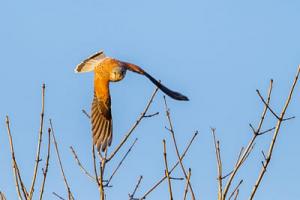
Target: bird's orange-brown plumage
(108,70)
(102,77)
(101,106)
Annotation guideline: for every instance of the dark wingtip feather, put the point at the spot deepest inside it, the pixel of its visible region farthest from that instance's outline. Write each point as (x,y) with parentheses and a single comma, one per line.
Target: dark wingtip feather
(176,95)
(184,98)
(170,93)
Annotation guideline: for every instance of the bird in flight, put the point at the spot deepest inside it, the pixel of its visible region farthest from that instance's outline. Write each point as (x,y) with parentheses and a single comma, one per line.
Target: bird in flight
(108,70)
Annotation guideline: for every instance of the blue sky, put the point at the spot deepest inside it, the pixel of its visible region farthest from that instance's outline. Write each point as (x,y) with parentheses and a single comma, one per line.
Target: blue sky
(216,52)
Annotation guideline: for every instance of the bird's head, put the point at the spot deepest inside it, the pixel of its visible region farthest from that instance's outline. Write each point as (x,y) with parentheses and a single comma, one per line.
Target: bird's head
(117,73)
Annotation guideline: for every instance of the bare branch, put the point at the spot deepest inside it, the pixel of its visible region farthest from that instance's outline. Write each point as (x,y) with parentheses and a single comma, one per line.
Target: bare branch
(249,147)
(94,157)
(151,115)
(219,163)
(276,131)
(270,109)
(239,157)
(86,114)
(268,106)
(224,177)
(263,153)
(101,187)
(102,169)
(266,131)
(58,196)
(176,179)
(100,155)
(187,184)
(172,169)
(253,129)
(120,163)
(95,165)
(235,189)
(131,196)
(16,170)
(70,195)
(171,130)
(237,194)
(37,159)
(45,172)
(248,153)
(167,170)
(134,126)
(289,118)
(80,165)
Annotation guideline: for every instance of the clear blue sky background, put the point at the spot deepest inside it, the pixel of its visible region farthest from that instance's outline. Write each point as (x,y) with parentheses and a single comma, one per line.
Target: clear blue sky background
(216,52)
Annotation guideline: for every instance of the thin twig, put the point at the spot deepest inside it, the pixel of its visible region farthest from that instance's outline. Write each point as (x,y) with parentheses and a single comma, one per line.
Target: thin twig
(236,194)
(249,147)
(172,169)
(58,196)
(187,184)
(100,155)
(19,186)
(80,165)
(95,165)
(38,151)
(167,170)
(102,169)
(104,159)
(70,195)
(239,157)
(45,172)
(272,111)
(96,178)
(120,163)
(151,115)
(266,104)
(235,189)
(101,187)
(176,179)
(171,130)
(238,160)
(248,153)
(224,177)
(134,126)
(264,155)
(266,131)
(276,131)
(86,114)
(131,196)
(219,163)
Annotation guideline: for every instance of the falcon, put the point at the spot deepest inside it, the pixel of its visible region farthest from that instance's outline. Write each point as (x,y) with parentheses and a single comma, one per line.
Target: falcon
(108,70)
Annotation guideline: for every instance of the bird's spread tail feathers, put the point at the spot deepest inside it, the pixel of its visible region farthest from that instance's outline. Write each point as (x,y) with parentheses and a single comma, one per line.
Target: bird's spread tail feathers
(90,63)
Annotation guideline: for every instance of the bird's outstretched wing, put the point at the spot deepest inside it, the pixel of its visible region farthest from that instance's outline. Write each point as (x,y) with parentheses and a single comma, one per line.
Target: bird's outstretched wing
(170,93)
(101,122)
(90,63)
